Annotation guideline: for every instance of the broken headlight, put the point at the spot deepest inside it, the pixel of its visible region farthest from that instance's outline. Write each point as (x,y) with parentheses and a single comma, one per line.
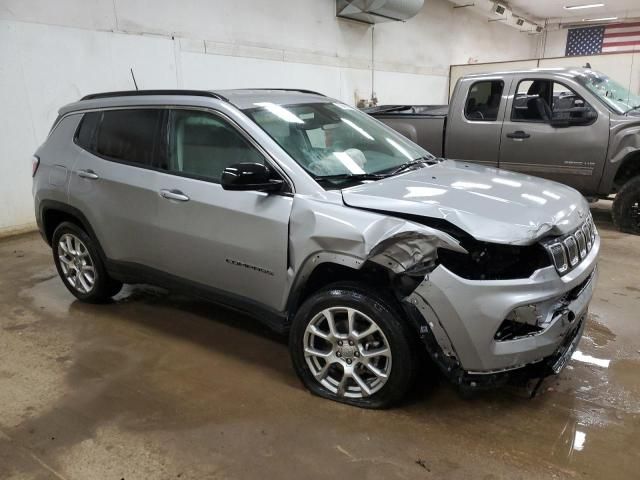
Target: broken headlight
(492,261)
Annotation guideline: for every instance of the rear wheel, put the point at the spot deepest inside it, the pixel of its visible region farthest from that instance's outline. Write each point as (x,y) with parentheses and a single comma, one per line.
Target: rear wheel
(80,266)
(626,207)
(348,344)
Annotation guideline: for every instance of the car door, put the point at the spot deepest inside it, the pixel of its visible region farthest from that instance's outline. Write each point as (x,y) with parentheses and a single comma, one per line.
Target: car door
(233,242)
(475,122)
(550,131)
(113,183)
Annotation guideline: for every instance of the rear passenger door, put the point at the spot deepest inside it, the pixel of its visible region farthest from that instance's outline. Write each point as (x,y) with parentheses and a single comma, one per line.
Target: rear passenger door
(475,122)
(113,183)
(234,242)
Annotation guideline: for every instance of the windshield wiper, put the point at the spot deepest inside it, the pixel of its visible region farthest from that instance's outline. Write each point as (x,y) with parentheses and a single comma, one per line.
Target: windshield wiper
(350,176)
(632,109)
(412,163)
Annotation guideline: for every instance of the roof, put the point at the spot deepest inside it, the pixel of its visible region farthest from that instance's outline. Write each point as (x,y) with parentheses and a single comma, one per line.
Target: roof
(247,98)
(562,71)
(241,98)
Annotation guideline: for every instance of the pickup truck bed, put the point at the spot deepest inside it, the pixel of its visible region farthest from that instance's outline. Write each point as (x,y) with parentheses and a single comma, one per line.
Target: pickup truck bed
(422,124)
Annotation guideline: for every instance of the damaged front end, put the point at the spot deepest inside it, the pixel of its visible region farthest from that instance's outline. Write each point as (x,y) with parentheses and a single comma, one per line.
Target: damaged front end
(486,312)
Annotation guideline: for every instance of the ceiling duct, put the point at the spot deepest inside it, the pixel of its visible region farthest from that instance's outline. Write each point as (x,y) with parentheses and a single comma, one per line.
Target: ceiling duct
(377,11)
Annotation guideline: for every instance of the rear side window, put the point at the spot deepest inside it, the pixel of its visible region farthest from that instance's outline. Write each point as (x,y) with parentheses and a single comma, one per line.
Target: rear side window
(483,101)
(87,131)
(130,136)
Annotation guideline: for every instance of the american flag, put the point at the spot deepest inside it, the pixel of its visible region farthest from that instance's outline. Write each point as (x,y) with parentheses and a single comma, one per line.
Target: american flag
(612,38)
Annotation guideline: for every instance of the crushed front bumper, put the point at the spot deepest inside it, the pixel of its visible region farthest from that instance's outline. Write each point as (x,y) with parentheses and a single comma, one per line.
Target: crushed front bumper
(459,318)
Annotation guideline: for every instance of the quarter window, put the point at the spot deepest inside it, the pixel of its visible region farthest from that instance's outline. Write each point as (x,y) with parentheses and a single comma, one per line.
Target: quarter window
(202,145)
(483,100)
(130,136)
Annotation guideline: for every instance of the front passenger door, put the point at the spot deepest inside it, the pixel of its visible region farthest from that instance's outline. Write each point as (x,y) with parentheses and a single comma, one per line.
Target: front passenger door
(234,242)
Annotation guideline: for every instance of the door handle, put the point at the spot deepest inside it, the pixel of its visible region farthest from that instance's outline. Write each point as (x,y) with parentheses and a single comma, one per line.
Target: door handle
(174,195)
(518,135)
(90,174)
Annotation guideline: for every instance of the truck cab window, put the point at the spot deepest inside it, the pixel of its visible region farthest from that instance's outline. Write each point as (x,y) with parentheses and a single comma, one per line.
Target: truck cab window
(483,101)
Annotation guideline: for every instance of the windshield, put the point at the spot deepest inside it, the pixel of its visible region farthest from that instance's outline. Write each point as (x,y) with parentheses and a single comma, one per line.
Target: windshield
(616,96)
(332,140)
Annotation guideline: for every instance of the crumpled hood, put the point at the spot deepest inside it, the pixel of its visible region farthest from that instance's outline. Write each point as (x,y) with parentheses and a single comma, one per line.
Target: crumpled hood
(491,205)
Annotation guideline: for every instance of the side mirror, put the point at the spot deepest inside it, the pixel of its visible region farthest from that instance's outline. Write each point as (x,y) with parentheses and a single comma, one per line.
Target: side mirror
(249,176)
(573,117)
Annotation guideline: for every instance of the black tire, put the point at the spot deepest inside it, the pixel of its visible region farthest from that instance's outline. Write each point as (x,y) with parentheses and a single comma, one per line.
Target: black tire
(386,314)
(104,287)
(626,207)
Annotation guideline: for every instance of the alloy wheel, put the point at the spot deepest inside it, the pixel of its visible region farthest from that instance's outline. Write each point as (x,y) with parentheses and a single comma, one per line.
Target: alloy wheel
(76,263)
(347,352)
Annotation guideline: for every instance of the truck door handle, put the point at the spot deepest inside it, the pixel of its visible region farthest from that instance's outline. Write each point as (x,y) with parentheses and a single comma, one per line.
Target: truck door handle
(518,135)
(90,174)
(174,195)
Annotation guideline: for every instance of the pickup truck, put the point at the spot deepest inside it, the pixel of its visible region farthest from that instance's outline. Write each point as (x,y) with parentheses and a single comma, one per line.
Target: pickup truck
(572,125)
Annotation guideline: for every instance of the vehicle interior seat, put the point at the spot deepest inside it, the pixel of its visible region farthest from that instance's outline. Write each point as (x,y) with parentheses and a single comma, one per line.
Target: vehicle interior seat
(472,109)
(537,104)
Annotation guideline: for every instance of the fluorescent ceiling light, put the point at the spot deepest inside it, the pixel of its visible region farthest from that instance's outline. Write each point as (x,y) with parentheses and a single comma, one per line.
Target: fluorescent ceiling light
(400,148)
(358,129)
(280,112)
(602,19)
(580,7)
(349,163)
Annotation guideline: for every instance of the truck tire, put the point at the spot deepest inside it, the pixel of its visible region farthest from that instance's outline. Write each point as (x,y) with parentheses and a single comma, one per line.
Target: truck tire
(626,207)
(80,266)
(348,343)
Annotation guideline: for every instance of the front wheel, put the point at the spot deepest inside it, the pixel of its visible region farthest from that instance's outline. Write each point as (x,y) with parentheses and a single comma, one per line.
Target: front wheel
(348,344)
(626,207)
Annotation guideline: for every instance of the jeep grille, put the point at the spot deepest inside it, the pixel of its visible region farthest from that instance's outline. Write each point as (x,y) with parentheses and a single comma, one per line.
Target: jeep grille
(569,250)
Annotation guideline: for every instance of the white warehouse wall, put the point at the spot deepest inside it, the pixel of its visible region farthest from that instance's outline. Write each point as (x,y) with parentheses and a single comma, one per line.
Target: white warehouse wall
(52,53)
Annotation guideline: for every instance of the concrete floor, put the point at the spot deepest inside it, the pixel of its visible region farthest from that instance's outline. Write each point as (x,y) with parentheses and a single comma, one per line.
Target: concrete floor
(156,386)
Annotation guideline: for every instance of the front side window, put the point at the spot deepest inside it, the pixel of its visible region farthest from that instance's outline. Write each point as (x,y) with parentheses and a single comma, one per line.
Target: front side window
(483,100)
(532,101)
(548,101)
(330,140)
(202,145)
(129,135)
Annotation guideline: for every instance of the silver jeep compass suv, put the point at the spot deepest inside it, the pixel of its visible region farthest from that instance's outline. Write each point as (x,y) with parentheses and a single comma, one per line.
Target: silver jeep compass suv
(324,223)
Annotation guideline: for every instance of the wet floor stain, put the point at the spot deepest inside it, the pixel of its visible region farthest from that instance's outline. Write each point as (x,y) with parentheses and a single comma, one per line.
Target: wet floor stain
(155,385)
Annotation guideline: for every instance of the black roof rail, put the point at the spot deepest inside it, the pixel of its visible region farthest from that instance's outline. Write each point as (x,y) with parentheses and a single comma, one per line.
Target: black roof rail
(301,90)
(140,93)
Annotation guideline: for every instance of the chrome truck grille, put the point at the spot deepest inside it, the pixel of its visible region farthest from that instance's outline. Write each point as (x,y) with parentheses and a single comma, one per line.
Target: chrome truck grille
(569,250)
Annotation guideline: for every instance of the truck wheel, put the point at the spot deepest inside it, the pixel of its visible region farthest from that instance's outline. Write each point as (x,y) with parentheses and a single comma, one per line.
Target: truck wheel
(626,207)
(80,266)
(348,344)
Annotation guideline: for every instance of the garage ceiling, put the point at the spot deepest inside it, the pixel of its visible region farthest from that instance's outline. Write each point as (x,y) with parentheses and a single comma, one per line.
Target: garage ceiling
(543,9)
